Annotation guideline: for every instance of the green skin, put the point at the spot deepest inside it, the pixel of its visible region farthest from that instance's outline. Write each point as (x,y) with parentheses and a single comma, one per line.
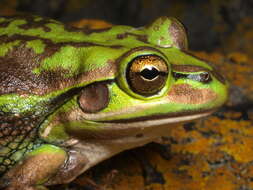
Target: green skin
(67,99)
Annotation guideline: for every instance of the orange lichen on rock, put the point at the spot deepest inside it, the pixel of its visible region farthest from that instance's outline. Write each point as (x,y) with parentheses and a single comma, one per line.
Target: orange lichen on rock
(204,155)
(235,138)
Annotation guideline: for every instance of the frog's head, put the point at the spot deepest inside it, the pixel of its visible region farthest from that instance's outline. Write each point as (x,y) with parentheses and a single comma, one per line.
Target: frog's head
(153,82)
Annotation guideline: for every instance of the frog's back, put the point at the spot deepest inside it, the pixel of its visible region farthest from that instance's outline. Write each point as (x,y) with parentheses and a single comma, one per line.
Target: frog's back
(24,43)
(31,69)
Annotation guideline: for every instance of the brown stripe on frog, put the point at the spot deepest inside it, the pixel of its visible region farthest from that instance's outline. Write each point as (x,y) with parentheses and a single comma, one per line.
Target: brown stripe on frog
(185,94)
(17,65)
(48,42)
(86,30)
(91,31)
(31,23)
(18,78)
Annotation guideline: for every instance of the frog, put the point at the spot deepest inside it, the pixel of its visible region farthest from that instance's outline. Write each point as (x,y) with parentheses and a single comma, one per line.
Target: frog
(73,97)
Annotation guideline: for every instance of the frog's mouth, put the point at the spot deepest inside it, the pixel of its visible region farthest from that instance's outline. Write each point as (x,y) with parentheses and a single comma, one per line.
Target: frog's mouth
(114,129)
(160,119)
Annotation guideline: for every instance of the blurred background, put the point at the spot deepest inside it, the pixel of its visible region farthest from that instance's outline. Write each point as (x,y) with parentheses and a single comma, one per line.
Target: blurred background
(211,154)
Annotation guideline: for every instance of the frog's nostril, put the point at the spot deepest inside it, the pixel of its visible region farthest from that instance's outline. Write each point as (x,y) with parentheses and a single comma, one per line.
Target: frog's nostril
(205,77)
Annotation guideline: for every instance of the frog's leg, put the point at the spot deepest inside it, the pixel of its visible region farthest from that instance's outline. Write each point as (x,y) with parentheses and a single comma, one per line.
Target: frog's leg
(35,169)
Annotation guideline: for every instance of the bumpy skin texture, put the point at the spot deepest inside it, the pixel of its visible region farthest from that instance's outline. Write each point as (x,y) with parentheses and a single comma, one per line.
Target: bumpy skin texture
(70,88)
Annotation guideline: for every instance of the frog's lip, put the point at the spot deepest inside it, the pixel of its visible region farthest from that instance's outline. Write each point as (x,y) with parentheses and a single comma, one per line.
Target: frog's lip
(164,118)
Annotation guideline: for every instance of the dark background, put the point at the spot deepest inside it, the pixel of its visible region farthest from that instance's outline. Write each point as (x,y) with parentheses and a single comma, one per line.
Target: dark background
(209,22)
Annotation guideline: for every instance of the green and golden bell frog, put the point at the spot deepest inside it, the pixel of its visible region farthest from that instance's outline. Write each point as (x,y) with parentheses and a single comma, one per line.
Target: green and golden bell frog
(70,98)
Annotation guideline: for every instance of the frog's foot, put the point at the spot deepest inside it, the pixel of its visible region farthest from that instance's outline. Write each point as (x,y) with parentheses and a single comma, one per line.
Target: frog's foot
(73,167)
(35,169)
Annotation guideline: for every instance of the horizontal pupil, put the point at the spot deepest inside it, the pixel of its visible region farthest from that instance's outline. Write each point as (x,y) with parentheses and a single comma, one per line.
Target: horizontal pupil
(149,73)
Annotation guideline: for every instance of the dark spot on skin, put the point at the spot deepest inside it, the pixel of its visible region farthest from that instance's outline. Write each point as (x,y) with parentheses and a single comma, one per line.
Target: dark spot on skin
(98,93)
(156,28)
(34,25)
(4,24)
(121,36)
(139,135)
(70,28)
(91,31)
(142,38)
(162,38)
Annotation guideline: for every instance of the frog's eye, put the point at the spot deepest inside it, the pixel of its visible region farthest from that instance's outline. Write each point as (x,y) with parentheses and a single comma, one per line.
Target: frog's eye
(147,75)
